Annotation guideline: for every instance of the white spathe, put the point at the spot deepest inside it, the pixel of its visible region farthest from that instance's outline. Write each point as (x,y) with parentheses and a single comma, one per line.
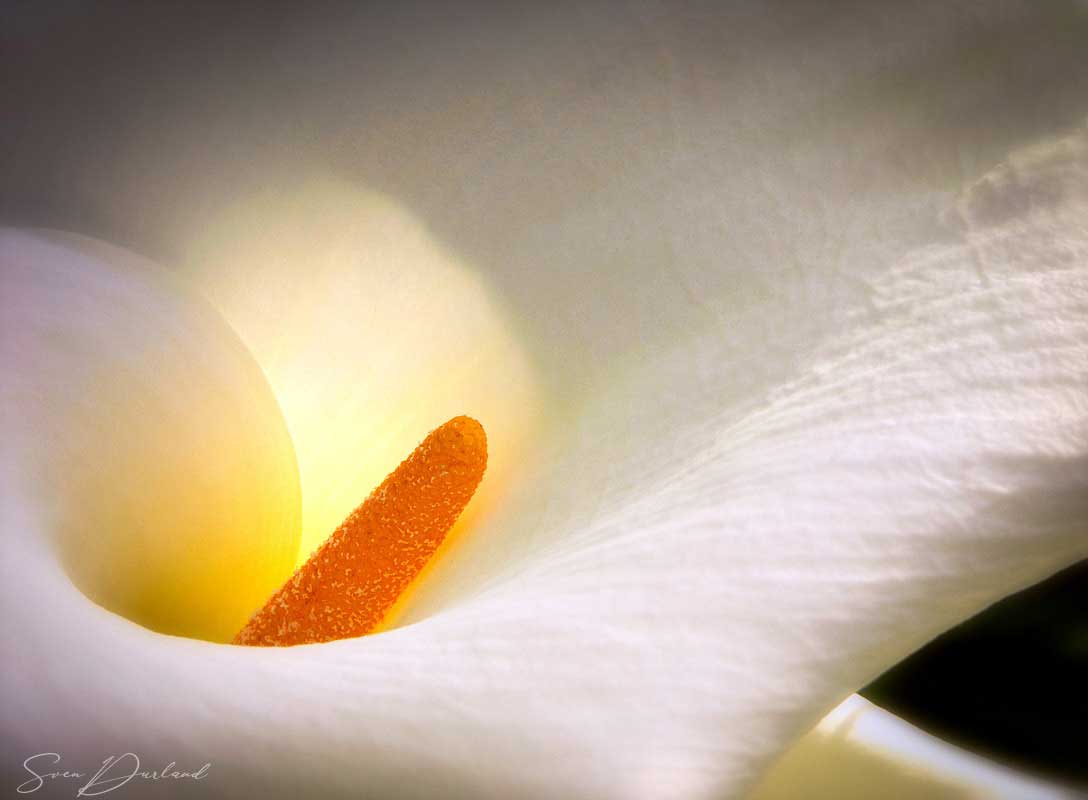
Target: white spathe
(810,395)
(859,750)
(142,438)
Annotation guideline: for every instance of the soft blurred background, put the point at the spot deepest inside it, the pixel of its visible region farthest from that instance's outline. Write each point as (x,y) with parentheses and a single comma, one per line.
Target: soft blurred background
(112,112)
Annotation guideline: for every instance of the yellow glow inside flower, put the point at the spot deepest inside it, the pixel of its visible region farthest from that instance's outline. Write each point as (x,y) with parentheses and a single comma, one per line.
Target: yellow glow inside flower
(368,331)
(160,464)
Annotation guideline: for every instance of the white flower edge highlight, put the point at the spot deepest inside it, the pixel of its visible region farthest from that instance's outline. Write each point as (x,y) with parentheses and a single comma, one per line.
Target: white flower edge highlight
(739,577)
(859,750)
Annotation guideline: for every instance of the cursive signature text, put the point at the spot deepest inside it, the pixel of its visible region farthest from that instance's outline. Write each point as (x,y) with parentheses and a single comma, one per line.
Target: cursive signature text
(114,773)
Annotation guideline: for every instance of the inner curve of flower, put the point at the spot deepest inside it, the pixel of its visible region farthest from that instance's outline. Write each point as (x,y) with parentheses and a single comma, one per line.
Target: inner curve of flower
(350,583)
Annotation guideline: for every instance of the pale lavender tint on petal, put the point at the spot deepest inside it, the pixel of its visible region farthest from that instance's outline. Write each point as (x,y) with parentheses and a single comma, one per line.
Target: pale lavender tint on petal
(806,282)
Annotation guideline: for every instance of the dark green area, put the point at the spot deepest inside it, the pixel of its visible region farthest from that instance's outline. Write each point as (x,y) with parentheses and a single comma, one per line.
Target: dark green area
(1011,683)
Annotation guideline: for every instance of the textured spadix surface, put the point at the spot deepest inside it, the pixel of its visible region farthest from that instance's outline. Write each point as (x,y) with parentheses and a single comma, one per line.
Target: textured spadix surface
(815,387)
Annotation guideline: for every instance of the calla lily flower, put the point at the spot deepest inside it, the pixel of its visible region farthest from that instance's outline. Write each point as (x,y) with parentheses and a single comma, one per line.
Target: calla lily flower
(778,335)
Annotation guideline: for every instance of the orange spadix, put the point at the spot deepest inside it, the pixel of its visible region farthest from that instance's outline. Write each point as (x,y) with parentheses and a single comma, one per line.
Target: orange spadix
(352,580)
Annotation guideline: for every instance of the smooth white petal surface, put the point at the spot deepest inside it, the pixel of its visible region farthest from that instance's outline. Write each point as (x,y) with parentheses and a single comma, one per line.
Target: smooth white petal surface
(142,441)
(807,407)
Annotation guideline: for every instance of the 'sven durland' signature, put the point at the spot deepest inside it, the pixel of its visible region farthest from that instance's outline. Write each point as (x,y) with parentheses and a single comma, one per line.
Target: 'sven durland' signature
(114,773)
